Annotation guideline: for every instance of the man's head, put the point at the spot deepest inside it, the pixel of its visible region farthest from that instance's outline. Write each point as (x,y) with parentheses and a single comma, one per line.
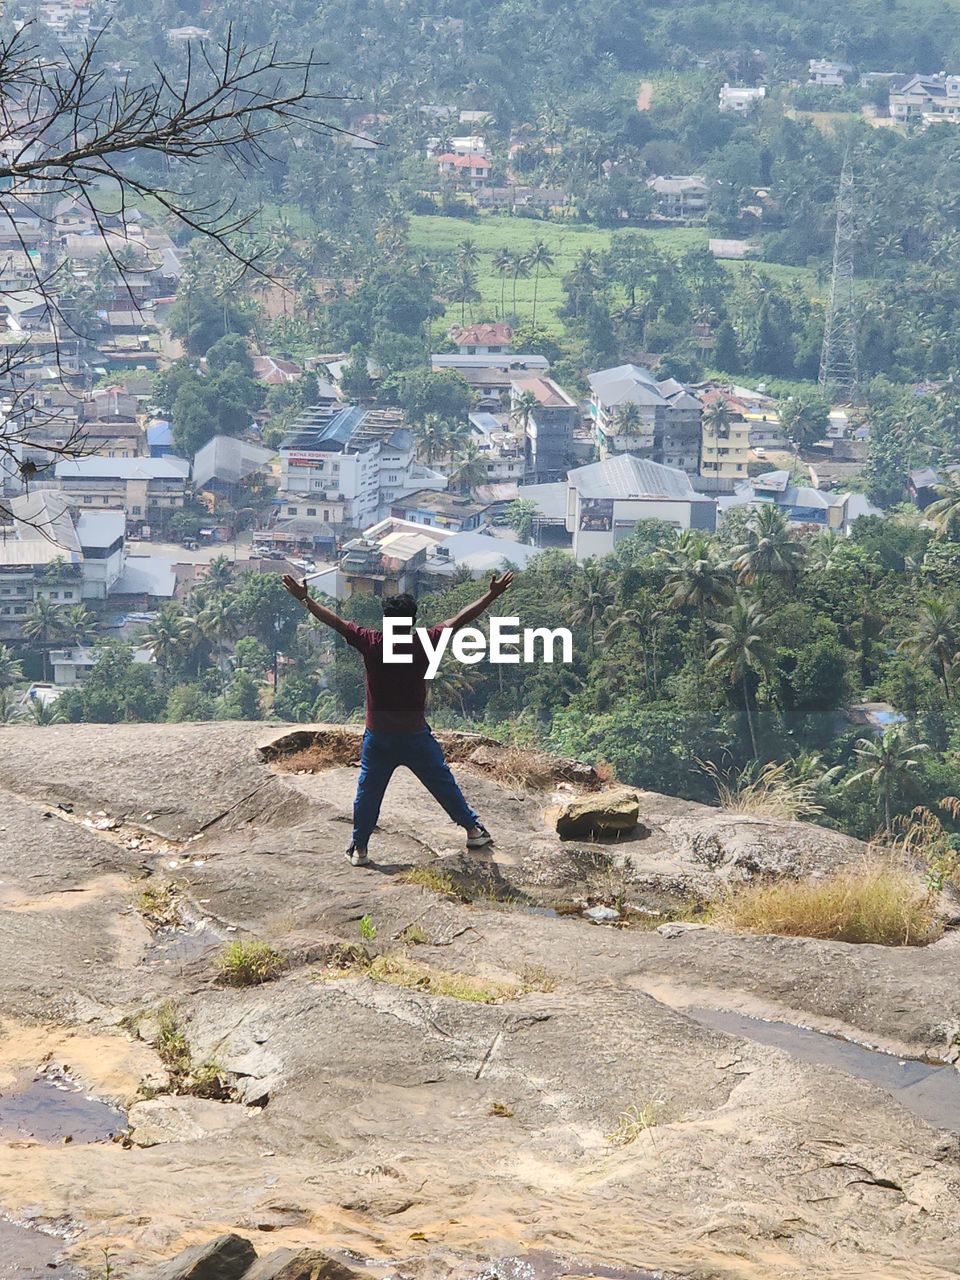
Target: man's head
(403,606)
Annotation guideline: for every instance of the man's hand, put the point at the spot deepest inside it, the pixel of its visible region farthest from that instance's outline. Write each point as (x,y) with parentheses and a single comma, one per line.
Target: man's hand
(498,585)
(296,588)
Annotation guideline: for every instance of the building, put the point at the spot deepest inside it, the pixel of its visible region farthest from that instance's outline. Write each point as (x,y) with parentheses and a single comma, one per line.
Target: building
(45,550)
(347,466)
(802,504)
(225,461)
(606,500)
(490,376)
(679,197)
(479,554)
(724,454)
(453,512)
(925,99)
(482,339)
(72,666)
(826,72)
(741,100)
(113,438)
(663,425)
(274,371)
(160,439)
(471,168)
(102,535)
(149,490)
(503,451)
(548,428)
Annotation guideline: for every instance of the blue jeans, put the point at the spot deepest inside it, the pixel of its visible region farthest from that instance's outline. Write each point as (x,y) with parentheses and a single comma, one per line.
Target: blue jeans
(423,756)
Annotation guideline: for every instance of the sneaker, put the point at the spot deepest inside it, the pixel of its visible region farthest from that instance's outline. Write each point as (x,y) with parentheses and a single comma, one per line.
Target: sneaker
(479,841)
(356,858)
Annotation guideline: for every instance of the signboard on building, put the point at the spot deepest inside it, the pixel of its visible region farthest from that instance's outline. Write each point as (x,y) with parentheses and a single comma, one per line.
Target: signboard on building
(596,515)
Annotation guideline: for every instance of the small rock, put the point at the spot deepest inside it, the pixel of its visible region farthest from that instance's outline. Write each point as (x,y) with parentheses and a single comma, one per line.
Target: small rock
(604,813)
(674,928)
(228,1257)
(601,915)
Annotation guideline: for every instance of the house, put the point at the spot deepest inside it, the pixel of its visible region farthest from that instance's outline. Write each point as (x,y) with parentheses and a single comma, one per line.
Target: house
(225,461)
(490,376)
(450,511)
(801,504)
(742,100)
(160,439)
(180,35)
(72,666)
(346,466)
(826,72)
(926,99)
(680,197)
(606,500)
(387,559)
(502,450)
(479,554)
(547,427)
(113,439)
(731,250)
(663,424)
(482,339)
(473,169)
(274,371)
(521,197)
(48,551)
(149,490)
(146,581)
(102,536)
(724,454)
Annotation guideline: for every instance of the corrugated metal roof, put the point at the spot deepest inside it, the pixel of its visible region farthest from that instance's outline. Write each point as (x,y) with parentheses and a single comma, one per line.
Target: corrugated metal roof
(628,477)
(100,528)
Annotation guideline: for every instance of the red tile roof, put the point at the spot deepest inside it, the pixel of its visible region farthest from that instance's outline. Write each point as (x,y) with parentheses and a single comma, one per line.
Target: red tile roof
(498,334)
(470,161)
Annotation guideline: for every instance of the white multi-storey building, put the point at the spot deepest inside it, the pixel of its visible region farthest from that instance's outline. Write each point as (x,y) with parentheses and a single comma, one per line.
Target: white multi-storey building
(346,466)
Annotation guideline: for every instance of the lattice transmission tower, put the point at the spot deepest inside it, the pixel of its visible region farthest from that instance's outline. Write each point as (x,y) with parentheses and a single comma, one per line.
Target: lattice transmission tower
(839,362)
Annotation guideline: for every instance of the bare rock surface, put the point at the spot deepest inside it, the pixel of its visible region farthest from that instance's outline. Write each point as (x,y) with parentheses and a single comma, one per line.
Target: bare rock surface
(581,1113)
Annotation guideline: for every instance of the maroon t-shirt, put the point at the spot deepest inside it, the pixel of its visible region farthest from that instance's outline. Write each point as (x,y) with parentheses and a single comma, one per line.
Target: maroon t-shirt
(396,691)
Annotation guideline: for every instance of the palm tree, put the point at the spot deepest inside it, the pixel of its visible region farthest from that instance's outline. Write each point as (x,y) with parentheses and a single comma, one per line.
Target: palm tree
(78,624)
(11,668)
(743,648)
(935,637)
(696,579)
(431,435)
(520,270)
(218,622)
(944,514)
(10,712)
(466,256)
(593,597)
(503,265)
(43,625)
(769,549)
(45,713)
(471,467)
(523,406)
(627,419)
(539,257)
(219,573)
(465,290)
(167,636)
(717,418)
(886,764)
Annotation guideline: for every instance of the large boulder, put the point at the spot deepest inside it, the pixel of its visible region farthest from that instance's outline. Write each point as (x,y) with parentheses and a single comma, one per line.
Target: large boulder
(604,813)
(299,1264)
(228,1257)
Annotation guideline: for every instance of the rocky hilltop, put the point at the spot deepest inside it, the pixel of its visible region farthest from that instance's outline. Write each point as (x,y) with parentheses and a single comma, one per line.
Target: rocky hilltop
(517,1064)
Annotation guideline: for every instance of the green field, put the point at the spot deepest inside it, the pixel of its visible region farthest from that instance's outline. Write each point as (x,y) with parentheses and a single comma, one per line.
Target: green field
(439,236)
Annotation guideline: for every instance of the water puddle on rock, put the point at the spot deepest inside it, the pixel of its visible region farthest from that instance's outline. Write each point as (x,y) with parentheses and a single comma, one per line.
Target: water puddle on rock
(27,1254)
(931,1092)
(50,1107)
(180,945)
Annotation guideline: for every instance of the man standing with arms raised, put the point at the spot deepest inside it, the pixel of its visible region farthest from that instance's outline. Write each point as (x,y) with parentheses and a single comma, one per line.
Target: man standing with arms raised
(396,731)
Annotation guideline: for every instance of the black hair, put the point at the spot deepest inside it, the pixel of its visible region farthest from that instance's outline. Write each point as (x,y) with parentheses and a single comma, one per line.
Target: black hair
(403,606)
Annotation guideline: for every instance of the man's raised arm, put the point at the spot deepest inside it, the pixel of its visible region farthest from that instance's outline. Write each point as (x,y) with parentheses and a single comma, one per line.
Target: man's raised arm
(299,592)
(498,585)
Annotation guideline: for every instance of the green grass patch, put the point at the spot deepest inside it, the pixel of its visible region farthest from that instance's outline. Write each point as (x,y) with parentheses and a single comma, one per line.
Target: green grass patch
(248,964)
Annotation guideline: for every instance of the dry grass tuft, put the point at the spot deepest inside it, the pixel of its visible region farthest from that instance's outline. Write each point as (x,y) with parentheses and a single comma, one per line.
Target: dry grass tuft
(874,901)
(634,1121)
(328,751)
(399,969)
(773,792)
(160,905)
(501,1110)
